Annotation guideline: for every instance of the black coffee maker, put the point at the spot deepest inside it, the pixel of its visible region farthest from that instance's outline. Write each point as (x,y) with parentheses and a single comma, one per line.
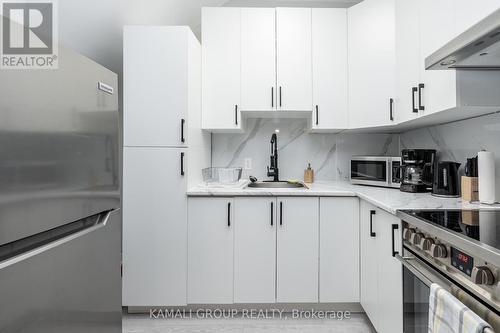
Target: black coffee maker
(417,169)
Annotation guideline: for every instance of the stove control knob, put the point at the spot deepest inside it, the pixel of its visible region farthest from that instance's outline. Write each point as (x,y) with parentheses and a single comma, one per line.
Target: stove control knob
(407,233)
(416,238)
(426,243)
(439,251)
(482,275)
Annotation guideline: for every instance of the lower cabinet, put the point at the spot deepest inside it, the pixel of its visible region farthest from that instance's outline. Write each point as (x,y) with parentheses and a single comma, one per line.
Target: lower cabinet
(339,250)
(381,273)
(255,250)
(297,250)
(210,250)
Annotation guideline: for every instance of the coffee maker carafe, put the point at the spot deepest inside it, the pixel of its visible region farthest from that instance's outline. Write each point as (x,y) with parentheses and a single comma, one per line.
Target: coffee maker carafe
(417,170)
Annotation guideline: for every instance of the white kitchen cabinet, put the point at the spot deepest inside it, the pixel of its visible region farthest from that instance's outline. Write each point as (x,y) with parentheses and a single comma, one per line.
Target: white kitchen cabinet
(221,79)
(258,59)
(407,60)
(470,12)
(297,249)
(437,88)
(371,26)
(329,69)
(154,227)
(294,57)
(381,273)
(390,284)
(369,265)
(254,250)
(155,69)
(339,250)
(210,251)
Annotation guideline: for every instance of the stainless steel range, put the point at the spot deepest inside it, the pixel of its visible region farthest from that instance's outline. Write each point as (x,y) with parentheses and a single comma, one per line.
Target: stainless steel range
(457,249)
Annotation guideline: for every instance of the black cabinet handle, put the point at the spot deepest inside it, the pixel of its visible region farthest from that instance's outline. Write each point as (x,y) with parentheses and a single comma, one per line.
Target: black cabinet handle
(413,92)
(272,97)
(317,115)
(372,212)
(182,163)
(420,106)
(391,109)
(183,121)
(236,114)
(280,96)
(281,213)
(229,214)
(394,227)
(272,213)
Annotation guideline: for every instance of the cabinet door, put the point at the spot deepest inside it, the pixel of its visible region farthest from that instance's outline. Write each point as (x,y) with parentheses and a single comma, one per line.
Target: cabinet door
(390,282)
(329,64)
(371,26)
(154,227)
(297,250)
(221,53)
(293,41)
(437,27)
(407,60)
(339,250)
(254,250)
(210,251)
(258,59)
(369,230)
(470,12)
(155,85)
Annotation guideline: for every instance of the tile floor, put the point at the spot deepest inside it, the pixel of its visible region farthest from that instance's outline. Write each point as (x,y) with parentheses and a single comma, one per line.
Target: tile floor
(141,323)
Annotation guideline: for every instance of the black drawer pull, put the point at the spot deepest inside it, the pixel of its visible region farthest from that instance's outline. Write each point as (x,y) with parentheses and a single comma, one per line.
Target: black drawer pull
(421,86)
(182,164)
(281,213)
(372,213)
(272,213)
(236,114)
(413,92)
(394,227)
(229,214)
(183,121)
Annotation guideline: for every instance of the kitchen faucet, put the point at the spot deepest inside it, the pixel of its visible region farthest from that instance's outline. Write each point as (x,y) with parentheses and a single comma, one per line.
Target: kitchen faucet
(272,170)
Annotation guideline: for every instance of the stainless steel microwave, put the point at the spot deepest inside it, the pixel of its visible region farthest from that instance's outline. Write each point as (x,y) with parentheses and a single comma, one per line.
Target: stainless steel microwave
(382,171)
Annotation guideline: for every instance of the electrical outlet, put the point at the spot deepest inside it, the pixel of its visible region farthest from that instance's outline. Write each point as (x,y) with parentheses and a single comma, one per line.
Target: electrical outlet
(248,163)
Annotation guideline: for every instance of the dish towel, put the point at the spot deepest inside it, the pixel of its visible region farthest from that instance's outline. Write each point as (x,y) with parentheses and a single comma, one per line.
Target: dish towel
(448,315)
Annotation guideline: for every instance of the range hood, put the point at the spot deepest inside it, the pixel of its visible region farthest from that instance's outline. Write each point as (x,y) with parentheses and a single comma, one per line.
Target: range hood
(476,48)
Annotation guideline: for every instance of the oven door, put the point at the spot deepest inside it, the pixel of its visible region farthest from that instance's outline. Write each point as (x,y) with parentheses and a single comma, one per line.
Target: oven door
(370,171)
(417,278)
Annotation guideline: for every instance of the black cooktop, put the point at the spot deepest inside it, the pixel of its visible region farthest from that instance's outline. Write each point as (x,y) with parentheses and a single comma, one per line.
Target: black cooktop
(480,225)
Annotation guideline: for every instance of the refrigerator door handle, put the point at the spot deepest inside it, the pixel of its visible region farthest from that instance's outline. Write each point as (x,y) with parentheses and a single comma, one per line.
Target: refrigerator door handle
(98,221)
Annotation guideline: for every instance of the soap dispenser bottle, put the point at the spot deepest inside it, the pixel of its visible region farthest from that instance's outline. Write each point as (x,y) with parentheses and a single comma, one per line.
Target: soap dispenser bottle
(309,174)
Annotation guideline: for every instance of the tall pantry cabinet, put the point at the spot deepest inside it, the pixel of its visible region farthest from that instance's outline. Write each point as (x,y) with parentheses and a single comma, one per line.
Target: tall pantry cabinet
(164,152)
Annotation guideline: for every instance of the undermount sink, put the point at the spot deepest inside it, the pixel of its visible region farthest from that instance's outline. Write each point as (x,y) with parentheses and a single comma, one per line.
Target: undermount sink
(271,184)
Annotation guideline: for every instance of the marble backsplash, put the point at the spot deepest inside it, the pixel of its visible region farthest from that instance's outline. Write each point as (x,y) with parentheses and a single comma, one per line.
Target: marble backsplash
(460,140)
(329,154)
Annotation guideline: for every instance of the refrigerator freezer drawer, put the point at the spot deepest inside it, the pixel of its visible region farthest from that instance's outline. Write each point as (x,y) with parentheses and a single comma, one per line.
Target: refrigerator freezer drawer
(71,284)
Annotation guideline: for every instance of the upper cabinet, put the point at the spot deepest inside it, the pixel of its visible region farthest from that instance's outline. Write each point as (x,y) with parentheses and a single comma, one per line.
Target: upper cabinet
(422,27)
(293,62)
(258,59)
(356,68)
(371,26)
(221,66)
(329,69)
(157,85)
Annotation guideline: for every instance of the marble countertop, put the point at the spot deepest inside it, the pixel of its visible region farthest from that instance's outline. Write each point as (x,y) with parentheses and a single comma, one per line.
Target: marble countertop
(390,200)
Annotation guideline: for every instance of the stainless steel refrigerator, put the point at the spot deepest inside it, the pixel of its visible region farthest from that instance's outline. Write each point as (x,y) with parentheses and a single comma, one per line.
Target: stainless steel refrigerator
(60,229)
